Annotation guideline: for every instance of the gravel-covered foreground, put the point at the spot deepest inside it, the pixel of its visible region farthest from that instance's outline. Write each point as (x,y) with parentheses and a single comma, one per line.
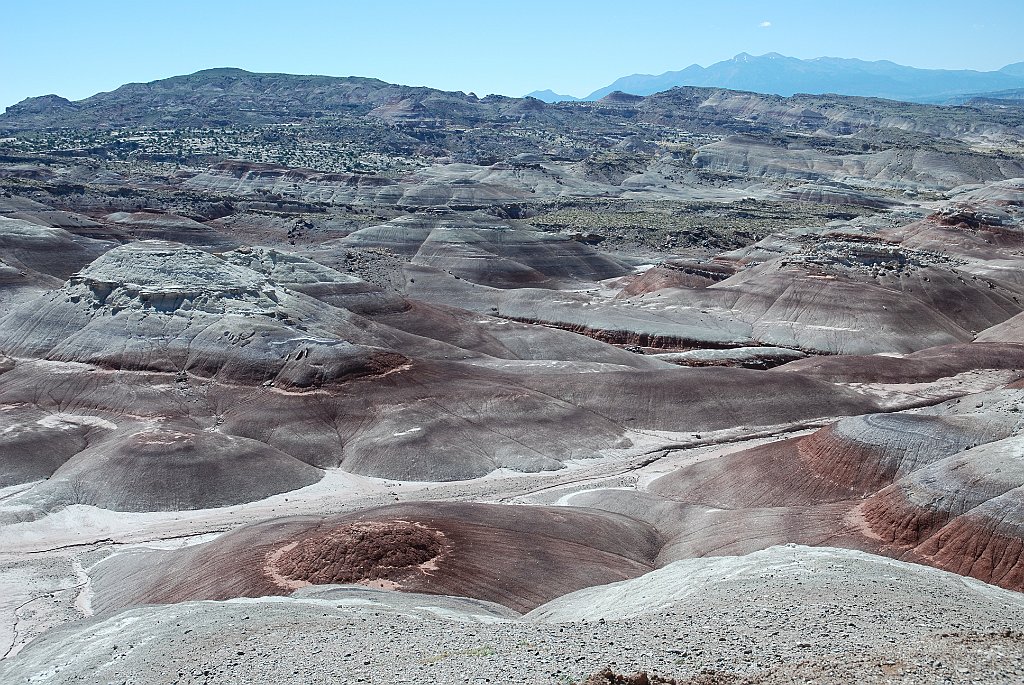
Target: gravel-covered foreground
(787,614)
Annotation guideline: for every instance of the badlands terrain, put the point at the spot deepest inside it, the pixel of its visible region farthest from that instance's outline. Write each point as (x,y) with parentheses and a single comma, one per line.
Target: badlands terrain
(328,380)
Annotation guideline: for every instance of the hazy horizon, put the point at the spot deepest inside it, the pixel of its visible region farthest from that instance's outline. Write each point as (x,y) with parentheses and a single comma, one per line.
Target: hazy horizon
(76,50)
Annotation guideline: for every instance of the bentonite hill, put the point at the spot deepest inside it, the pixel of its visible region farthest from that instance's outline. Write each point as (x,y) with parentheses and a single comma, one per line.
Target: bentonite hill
(328,380)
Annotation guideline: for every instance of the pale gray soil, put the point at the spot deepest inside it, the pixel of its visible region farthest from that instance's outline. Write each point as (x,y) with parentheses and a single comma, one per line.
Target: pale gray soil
(786,615)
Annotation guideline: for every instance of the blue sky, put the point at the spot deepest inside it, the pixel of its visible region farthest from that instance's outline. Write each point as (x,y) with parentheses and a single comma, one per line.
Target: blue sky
(77,48)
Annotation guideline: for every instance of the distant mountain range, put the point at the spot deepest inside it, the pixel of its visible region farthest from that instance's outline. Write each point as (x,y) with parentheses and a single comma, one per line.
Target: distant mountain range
(410,117)
(228,96)
(780,75)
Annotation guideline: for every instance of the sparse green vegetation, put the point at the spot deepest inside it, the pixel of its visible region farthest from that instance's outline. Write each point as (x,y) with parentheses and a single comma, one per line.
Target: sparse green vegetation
(666,224)
(482,651)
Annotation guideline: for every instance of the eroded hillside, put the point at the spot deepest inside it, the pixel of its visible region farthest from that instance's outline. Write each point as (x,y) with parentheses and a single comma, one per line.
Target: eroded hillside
(297,345)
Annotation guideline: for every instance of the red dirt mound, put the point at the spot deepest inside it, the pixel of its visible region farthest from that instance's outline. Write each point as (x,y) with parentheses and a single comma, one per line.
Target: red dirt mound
(517,556)
(365,550)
